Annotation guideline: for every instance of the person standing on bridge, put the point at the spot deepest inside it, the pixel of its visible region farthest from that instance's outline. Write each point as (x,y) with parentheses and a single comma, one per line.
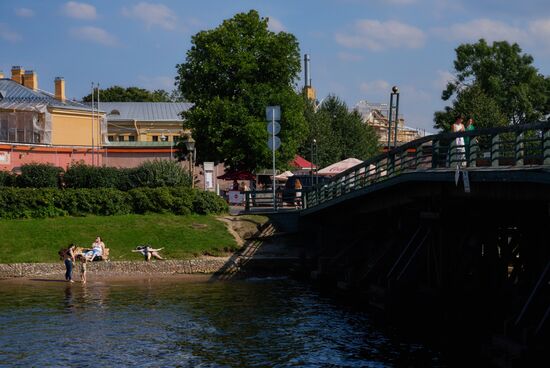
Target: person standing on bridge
(469,127)
(459,146)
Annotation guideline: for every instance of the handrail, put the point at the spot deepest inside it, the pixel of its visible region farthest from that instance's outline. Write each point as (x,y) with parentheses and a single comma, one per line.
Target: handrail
(516,145)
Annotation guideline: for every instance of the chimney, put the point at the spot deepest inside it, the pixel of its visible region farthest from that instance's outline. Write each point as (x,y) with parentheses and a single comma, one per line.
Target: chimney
(17,74)
(307,82)
(30,80)
(60,89)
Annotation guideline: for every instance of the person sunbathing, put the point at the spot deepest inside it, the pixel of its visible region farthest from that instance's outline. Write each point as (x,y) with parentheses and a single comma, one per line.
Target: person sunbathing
(98,249)
(148,252)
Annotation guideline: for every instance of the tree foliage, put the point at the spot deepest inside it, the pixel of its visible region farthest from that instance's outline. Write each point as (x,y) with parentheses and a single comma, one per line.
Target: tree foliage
(498,83)
(130,94)
(339,134)
(231,73)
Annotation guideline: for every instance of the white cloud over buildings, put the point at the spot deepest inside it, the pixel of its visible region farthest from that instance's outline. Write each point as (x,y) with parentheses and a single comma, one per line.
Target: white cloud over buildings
(24,12)
(152,15)
(375,35)
(276,25)
(95,35)
(77,10)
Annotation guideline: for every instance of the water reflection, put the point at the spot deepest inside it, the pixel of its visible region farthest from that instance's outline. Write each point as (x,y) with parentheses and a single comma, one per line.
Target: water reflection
(274,323)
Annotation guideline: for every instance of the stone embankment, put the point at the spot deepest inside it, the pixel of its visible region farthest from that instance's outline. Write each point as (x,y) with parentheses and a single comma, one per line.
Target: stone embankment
(203,265)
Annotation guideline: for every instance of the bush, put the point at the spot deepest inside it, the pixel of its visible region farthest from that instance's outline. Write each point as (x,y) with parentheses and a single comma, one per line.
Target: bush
(39,176)
(81,175)
(48,202)
(7,179)
(160,173)
(206,203)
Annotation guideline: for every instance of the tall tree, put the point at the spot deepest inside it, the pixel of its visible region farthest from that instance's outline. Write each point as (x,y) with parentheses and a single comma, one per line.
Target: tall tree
(505,79)
(339,133)
(130,94)
(231,73)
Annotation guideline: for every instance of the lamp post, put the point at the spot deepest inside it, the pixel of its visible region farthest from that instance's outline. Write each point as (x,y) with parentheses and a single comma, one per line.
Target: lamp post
(394,104)
(190,145)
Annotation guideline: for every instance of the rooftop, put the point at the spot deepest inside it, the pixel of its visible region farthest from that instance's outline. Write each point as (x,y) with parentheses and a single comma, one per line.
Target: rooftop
(144,111)
(16,96)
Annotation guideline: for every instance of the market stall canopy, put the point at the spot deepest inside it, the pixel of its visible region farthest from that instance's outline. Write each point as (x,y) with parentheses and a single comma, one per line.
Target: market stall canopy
(301,163)
(237,175)
(338,167)
(284,176)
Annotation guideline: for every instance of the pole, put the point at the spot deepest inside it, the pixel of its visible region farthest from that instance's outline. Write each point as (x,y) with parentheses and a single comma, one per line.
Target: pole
(396,124)
(93,122)
(98,123)
(273,149)
(389,120)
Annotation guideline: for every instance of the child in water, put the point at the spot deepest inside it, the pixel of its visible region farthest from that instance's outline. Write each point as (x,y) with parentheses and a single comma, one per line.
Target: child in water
(83,266)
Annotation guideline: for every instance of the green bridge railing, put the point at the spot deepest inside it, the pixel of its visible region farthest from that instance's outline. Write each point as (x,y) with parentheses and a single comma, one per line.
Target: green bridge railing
(512,146)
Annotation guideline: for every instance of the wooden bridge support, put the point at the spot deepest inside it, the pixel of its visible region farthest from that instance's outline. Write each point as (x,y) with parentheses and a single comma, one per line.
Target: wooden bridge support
(476,266)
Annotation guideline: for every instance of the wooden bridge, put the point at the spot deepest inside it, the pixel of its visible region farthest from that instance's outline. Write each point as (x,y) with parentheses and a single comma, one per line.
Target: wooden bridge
(453,225)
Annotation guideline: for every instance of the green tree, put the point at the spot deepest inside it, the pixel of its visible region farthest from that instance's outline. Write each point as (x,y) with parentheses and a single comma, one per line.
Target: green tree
(339,133)
(231,73)
(130,94)
(504,78)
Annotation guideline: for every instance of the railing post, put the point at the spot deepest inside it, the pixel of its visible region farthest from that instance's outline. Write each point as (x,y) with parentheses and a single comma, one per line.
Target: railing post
(247,201)
(546,147)
(495,150)
(519,149)
(435,153)
(418,157)
(473,149)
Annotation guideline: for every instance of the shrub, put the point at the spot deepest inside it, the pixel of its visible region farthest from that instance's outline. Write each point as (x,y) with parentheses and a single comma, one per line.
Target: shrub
(39,176)
(206,203)
(80,175)
(7,179)
(160,173)
(49,202)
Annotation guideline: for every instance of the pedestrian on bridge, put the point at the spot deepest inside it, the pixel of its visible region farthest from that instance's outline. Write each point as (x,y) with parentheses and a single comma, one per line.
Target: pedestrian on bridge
(459,147)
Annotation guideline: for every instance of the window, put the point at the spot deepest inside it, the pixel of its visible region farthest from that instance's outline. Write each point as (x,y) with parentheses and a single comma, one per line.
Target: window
(155,138)
(111,138)
(121,138)
(114,112)
(132,138)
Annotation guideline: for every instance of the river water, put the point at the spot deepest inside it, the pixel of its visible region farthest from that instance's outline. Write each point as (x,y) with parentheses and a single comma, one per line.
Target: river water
(192,323)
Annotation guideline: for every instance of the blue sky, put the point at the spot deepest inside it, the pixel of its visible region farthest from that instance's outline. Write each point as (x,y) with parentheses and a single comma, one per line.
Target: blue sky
(358,48)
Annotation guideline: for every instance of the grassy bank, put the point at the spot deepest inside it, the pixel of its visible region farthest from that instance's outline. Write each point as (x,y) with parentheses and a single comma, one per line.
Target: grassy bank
(38,240)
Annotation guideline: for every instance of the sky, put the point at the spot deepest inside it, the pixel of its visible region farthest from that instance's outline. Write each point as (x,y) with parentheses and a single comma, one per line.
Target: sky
(359,49)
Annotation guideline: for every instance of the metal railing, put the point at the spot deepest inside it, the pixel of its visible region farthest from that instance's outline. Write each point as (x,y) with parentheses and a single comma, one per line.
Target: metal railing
(511,146)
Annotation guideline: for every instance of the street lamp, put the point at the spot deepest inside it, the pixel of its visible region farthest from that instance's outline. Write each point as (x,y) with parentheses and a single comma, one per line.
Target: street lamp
(394,93)
(191,152)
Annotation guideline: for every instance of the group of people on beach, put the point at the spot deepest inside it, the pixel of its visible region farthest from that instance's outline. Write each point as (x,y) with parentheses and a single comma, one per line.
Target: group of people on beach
(72,254)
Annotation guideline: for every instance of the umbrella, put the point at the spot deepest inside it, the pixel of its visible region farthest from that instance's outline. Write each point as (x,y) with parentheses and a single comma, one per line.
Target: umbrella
(237,175)
(284,176)
(340,166)
(301,163)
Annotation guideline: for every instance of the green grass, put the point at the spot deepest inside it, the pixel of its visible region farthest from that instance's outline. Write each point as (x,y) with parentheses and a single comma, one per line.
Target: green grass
(38,240)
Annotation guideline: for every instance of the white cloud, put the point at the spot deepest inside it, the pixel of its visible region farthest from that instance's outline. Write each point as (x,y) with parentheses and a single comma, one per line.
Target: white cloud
(346,56)
(376,36)
(399,2)
(275,25)
(158,82)
(540,30)
(490,30)
(377,87)
(8,35)
(443,77)
(153,15)
(24,12)
(76,10)
(94,34)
